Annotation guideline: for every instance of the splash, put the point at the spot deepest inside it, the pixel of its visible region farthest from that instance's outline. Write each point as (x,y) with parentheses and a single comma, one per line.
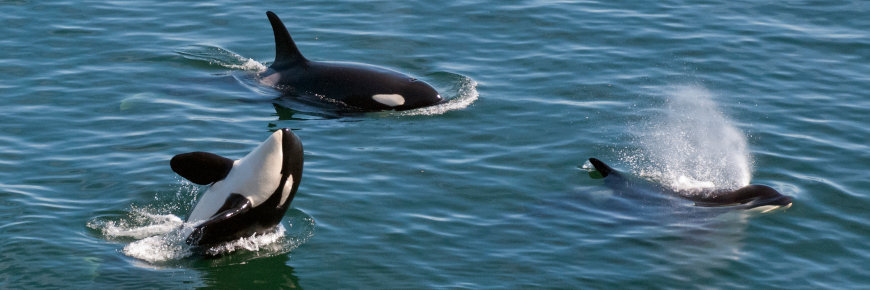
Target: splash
(171,245)
(466,94)
(693,145)
(141,225)
(270,242)
(155,236)
(166,246)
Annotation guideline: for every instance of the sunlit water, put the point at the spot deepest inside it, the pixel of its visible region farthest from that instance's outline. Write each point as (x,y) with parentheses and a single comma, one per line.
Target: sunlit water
(481,191)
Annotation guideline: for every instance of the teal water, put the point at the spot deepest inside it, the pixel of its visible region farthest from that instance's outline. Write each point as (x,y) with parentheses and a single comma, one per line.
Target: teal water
(487,191)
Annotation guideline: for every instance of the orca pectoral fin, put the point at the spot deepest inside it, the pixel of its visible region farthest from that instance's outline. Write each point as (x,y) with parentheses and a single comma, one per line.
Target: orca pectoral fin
(201,167)
(222,226)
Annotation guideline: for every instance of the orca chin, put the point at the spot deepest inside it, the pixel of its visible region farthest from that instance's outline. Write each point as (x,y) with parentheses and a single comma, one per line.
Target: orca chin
(753,196)
(351,86)
(247,196)
(750,196)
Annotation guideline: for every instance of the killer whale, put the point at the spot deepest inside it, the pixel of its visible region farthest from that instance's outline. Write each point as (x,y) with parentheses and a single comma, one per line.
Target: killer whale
(753,196)
(352,86)
(247,196)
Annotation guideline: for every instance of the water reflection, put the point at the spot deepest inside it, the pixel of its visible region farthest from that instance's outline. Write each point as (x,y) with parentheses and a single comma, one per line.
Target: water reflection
(236,271)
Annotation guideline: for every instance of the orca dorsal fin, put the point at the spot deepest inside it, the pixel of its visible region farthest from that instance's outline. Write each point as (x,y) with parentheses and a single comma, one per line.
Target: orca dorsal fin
(601,167)
(286,53)
(201,167)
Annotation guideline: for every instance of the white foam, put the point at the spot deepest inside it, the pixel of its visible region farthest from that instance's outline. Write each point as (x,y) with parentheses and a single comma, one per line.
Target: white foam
(466,96)
(154,224)
(251,65)
(219,56)
(160,238)
(247,64)
(172,246)
(169,246)
(253,243)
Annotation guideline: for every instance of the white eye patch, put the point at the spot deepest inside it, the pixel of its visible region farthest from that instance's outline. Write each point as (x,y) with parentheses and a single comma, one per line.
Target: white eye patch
(286,193)
(391,100)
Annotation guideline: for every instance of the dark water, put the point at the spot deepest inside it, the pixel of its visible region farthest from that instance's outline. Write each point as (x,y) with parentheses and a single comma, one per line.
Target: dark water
(485,191)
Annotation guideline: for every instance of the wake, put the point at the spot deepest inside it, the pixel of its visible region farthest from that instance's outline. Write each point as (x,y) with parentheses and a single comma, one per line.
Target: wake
(466,94)
(220,57)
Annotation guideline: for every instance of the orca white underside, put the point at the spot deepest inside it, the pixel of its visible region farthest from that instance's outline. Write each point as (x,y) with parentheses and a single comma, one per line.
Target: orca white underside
(769,208)
(256,176)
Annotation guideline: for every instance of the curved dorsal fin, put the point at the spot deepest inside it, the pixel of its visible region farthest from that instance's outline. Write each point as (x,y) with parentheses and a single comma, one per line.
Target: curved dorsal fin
(601,167)
(201,167)
(286,53)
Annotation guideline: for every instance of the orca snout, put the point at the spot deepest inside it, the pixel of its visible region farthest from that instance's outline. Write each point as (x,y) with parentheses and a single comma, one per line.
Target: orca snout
(782,200)
(283,136)
(766,196)
(289,141)
(419,94)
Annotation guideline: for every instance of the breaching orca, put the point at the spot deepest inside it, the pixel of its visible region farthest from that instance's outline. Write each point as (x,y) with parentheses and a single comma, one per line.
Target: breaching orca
(247,196)
(752,196)
(355,87)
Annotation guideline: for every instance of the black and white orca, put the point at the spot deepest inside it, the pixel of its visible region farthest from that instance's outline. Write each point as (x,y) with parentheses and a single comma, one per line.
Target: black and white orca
(352,86)
(247,196)
(753,196)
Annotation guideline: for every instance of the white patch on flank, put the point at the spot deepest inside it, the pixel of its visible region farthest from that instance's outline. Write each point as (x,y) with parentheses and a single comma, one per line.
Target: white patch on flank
(391,100)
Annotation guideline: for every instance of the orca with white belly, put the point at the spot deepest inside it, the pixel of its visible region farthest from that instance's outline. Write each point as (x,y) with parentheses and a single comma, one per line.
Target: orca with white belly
(352,86)
(753,196)
(247,196)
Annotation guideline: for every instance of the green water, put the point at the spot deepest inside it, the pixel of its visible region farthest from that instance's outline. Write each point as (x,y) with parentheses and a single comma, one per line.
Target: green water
(487,191)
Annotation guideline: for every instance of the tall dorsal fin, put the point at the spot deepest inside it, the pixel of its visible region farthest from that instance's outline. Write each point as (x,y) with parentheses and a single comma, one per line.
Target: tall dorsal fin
(286,53)
(201,167)
(601,167)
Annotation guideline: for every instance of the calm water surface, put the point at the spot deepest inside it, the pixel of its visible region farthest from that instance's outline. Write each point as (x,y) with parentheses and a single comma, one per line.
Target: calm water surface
(486,191)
